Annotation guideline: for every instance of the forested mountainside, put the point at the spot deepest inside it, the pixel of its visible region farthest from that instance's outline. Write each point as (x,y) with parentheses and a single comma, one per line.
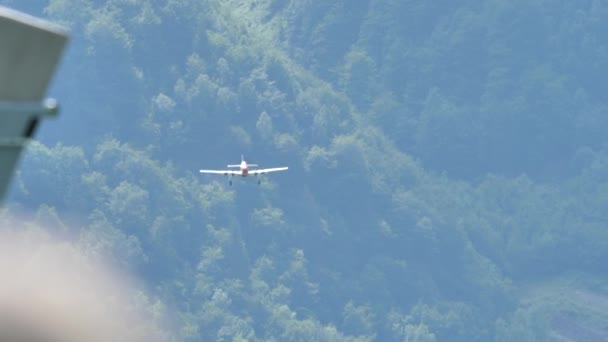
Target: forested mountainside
(448,164)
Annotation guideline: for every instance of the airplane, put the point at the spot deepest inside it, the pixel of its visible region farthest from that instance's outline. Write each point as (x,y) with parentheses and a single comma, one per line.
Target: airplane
(244,170)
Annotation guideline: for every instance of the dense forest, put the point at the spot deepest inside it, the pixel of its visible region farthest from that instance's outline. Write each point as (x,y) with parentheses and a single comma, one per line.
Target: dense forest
(448,164)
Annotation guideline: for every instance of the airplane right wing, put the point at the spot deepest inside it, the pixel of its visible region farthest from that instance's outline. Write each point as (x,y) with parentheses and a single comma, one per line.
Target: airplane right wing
(262,171)
(221,172)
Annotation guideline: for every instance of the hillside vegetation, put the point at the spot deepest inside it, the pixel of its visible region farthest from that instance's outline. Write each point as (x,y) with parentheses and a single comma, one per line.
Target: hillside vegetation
(448,163)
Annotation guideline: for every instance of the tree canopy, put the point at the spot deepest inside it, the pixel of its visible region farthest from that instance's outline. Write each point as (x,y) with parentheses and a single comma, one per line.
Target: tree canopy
(447,163)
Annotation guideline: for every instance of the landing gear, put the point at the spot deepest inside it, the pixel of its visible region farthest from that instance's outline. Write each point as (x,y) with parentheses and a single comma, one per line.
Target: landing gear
(259,181)
(230,182)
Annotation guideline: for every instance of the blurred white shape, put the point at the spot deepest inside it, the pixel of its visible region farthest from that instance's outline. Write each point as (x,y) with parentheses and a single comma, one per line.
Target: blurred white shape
(51,291)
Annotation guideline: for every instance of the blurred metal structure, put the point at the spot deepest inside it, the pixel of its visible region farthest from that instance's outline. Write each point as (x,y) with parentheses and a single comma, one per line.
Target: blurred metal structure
(30,50)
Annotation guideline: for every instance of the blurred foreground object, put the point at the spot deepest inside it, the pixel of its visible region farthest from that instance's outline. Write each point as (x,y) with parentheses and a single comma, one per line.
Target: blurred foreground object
(30,50)
(50,291)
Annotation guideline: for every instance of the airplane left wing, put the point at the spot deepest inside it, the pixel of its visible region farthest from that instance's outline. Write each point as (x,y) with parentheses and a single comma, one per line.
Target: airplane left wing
(221,172)
(263,171)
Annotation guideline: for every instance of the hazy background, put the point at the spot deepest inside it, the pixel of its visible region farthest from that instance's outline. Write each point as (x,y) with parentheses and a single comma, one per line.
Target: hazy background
(448,164)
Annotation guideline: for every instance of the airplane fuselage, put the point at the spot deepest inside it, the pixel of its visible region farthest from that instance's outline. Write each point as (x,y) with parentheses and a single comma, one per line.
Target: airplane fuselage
(244,169)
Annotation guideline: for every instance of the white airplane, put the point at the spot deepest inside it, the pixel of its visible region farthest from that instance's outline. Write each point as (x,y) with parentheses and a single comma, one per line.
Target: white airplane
(244,170)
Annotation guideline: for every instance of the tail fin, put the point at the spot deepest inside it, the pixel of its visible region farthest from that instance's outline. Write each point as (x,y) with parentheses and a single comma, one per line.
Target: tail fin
(243,159)
(237,165)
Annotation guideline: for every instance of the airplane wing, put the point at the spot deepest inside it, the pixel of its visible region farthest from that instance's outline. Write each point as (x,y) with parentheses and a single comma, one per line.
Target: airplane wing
(31,50)
(263,171)
(221,172)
